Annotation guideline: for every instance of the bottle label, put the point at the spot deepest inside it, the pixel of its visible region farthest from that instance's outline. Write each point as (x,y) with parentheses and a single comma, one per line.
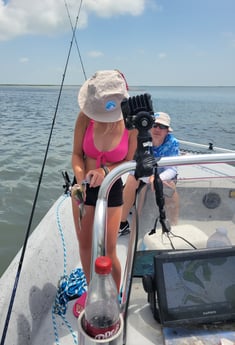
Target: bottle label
(101,329)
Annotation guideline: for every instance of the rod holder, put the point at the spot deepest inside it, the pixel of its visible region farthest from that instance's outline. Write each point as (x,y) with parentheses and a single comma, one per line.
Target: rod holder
(85,339)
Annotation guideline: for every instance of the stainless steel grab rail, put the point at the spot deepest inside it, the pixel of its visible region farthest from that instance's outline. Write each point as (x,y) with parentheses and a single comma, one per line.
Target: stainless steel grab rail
(98,246)
(100,212)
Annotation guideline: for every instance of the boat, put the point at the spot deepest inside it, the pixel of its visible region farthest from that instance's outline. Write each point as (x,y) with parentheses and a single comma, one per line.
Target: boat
(206,189)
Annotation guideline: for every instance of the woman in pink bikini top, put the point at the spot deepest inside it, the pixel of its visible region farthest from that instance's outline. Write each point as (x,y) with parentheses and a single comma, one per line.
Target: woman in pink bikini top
(101,142)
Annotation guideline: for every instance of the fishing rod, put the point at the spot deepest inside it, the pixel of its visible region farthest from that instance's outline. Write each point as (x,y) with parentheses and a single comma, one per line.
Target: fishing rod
(78,50)
(17,277)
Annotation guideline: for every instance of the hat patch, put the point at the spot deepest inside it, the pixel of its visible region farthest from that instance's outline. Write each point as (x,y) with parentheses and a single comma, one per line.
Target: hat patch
(110,105)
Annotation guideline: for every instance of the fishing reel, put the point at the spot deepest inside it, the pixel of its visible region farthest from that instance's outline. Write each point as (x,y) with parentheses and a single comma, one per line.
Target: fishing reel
(67,183)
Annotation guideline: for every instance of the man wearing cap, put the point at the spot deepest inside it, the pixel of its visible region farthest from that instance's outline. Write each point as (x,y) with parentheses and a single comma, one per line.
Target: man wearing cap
(164,144)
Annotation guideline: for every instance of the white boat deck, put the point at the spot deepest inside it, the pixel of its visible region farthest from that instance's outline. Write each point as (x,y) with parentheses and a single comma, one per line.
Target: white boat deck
(31,320)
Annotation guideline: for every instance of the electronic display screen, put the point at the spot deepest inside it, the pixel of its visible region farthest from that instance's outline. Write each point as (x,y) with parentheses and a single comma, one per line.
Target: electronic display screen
(196,286)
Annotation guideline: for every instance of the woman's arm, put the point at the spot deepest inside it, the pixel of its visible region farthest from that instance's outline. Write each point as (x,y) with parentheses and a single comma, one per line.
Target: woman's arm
(132,144)
(78,155)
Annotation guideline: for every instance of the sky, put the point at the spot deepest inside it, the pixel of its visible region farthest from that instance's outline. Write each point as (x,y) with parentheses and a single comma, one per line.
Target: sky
(153,42)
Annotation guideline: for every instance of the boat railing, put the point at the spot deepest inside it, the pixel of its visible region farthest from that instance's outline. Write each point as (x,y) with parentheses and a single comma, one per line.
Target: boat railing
(99,227)
(191,147)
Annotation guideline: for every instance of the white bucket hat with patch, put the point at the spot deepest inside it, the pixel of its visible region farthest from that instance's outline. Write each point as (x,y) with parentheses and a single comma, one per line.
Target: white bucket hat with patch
(101,95)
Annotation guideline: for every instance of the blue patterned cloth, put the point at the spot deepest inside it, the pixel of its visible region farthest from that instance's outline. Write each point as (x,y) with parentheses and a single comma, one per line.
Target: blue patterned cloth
(69,287)
(170,147)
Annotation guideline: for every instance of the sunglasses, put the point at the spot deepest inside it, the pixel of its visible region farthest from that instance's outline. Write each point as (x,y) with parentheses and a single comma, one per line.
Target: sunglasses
(160,125)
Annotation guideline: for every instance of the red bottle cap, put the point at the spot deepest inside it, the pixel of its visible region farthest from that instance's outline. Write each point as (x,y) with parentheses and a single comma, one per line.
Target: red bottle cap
(103,265)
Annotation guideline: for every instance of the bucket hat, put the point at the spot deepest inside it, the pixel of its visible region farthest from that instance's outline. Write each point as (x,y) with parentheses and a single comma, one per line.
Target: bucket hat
(101,95)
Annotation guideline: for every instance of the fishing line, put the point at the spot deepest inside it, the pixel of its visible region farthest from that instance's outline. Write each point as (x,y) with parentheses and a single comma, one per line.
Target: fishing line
(37,191)
(78,50)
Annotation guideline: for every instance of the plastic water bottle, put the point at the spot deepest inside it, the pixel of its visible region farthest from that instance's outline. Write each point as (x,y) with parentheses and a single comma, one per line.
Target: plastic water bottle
(219,239)
(102,307)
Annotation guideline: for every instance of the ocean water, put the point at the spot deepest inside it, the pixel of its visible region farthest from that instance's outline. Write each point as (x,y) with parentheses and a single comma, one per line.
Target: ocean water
(199,114)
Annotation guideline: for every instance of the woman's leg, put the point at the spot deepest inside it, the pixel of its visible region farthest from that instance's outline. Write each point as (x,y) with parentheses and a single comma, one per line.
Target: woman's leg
(113,221)
(129,193)
(84,235)
(172,203)
(172,208)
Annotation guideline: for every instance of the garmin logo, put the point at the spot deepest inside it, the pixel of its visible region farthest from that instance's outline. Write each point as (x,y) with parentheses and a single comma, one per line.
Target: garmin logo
(209,312)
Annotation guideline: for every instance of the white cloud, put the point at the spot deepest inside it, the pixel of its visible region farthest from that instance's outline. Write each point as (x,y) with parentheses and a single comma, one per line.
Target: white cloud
(228,34)
(24,60)
(109,8)
(21,17)
(95,54)
(162,56)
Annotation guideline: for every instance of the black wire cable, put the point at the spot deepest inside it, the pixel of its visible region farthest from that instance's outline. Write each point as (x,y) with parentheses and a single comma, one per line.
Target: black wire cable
(36,195)
(182,238)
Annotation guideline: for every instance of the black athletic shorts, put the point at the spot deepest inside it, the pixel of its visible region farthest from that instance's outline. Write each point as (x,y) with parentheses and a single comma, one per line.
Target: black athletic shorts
(114,198)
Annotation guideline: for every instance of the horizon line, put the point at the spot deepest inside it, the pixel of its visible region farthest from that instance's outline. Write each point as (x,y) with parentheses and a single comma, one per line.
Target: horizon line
(130,86)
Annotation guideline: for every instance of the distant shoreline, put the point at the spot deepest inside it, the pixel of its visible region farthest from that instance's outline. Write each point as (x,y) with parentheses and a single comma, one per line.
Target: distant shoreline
(131,86)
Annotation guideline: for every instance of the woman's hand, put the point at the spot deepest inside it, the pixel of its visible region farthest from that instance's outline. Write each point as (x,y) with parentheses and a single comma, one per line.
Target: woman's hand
(95,177)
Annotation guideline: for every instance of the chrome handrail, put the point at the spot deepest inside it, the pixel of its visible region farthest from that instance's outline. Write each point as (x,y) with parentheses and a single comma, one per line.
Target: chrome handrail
(197,159)
(99,233)
(206,147)
(98,245)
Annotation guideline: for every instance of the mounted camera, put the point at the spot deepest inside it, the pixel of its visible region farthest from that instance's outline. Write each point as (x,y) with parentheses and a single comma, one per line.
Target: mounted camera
(138,112)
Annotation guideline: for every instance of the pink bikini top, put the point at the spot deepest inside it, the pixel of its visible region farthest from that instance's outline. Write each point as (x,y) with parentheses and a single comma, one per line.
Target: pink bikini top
(115,155)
